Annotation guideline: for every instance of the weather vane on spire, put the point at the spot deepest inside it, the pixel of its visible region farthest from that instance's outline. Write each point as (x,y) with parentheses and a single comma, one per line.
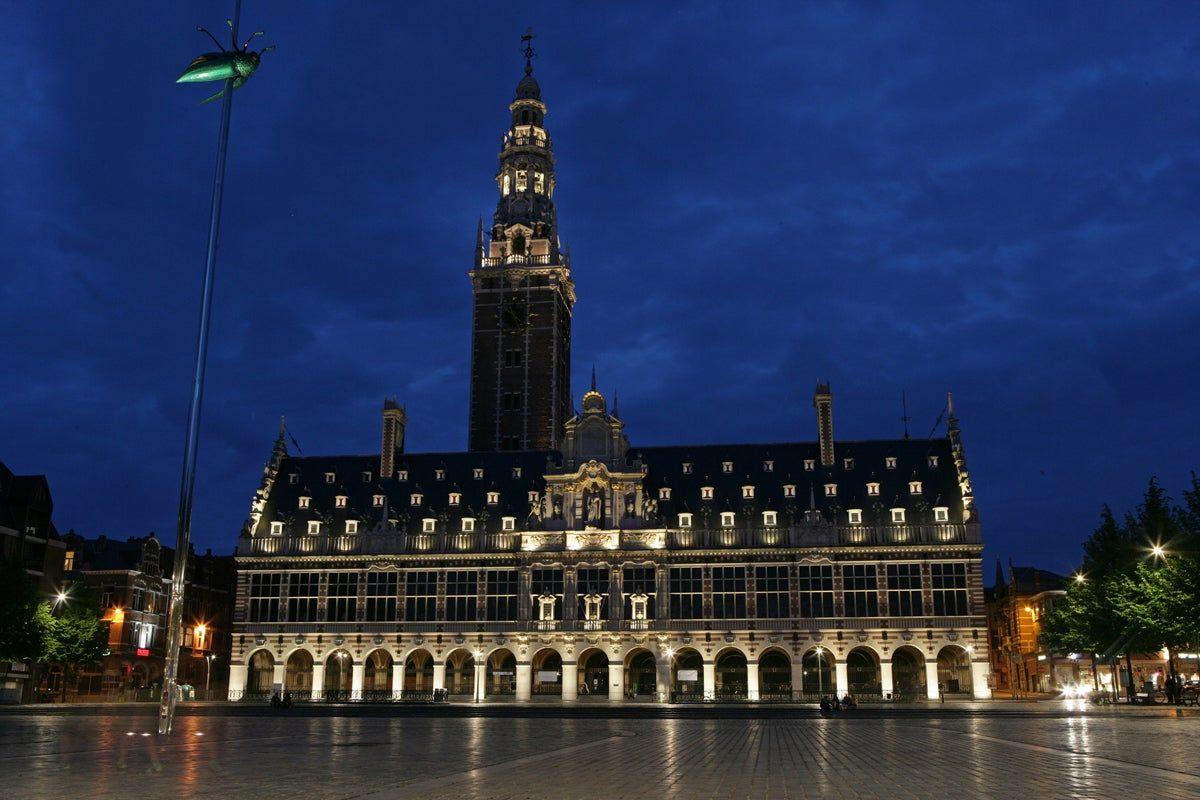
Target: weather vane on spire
(528,50)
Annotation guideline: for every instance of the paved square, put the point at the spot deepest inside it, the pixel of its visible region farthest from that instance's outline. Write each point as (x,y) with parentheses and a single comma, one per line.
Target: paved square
(1120,755)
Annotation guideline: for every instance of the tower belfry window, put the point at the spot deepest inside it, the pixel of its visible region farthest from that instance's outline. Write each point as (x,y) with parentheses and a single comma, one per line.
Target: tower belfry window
(522,180)
(539,182)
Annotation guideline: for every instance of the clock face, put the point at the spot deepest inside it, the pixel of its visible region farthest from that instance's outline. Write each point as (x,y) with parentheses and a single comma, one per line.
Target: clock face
(514,314)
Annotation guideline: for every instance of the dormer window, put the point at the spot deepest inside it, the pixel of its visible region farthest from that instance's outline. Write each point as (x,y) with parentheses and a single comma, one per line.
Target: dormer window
(366,476)
(293,478)
(351,526)
(933,462)
(831,490)
(330,477)
(809,464)
(516,472)
(455,498)
(478,473)
(941,514)
(276,528)
(314,526)
(377,500)
(748,492)
(508,523)
(304,501)
(429,525)
(645,469)
(727,467)
(664,493)
(685,520)
(873,489)
(533,496)
(415,498)
(770,519)
(897,515)
(789,490)
(726,519)
(847,463)
(687,468)
(468,525)
(493,498)
(706,493)
(890,462)
(768,466)
(855,516)
(914,487)
(339,501)
(401,474)
(439,474)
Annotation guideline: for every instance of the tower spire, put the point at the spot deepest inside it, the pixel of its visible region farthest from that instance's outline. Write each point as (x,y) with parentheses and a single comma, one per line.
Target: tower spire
(527,51)
(593,377)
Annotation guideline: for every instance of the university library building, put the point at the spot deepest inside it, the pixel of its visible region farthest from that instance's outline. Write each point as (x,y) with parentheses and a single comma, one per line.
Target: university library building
(555,558)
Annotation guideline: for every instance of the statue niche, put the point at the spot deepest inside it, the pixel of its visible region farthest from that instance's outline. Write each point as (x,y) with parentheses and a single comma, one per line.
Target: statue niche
(593,507)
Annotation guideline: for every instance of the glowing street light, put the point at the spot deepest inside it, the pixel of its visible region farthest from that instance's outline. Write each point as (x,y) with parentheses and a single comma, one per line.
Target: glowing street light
(1158,552)
(61,597)
(1080,577)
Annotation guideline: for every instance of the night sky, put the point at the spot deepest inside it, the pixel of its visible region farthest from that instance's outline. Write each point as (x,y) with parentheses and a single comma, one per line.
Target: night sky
(1001,203)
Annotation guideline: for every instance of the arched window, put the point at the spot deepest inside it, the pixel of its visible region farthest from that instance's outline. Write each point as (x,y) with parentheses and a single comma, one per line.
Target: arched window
(505,184)
(539,182)
(522,179)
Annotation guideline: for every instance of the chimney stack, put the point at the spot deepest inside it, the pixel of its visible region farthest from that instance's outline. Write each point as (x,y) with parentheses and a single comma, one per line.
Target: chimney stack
(823,403)
(394,420)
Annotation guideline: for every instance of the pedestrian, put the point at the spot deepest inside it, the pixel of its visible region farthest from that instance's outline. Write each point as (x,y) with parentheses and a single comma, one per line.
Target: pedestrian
(942,692)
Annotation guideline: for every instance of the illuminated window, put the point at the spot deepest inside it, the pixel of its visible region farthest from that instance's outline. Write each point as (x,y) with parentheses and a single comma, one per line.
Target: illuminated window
(478,473)
(706,493)
(685,520)
(339,501)
(493,498)
(809,465)
(304,501)
(941,514)
(468,525)
(768,466)
(293,478)
(351,526)
(933,461)
(277,528)
(831,490)
(506,183)
(789,490)
(533,496)
(770,519)
(366,477)
(330,477)
(415,498)
(727,467)
(377,500)
(687,468)
(890,462)
(847,463)
(897,515)
(455,498)
(748,492)
(664,493)
(855,515)
(508,523)
(429,525)
(539,183)
(726,519)
(402,475)
(522,180)
(914,487)
(314,526)
(439,474)
(516,472)
(873,489)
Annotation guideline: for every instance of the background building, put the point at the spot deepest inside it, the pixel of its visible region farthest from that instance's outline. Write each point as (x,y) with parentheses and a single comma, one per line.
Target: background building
(556,558)
(1015,609)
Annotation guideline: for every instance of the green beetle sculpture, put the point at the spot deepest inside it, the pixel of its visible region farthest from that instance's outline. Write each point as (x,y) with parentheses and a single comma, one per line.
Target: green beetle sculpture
(239,63)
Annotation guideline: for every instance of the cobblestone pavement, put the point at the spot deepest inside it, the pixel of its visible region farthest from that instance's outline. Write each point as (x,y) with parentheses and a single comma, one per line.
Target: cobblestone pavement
(1122,754)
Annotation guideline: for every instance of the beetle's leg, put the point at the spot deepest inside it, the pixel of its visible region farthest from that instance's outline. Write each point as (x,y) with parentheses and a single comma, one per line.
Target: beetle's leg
(205,31)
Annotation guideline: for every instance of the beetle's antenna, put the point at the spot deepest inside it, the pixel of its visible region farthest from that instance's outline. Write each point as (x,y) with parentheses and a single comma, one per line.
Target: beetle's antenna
(209,35)
(268,47)
(251,39)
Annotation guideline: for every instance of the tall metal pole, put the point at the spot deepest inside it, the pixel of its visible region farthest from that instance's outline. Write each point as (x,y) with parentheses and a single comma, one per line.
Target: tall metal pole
(187,483)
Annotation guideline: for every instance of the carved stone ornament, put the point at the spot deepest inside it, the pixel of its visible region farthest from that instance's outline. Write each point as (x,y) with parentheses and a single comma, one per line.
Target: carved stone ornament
(952,636)
(861,636)
(299,639)
(418,639)
(730,638)
(338,641)
(260,640)
(459,639)
(377,639)
(906,635)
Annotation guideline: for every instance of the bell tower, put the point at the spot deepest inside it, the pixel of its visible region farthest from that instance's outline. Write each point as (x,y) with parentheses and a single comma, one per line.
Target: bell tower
(523,294)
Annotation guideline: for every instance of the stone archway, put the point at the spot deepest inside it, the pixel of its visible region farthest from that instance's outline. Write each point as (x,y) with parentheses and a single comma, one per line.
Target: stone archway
(339,676)
(774,676)
(547,672)
(260,675)
(501,678)
(418,675)
(863,676)
(817,673)
(460,673)
(687,676)
(593,673)
(908,674)
(298,675)
(954,671)
(377,676)
(732,682)
(641,675)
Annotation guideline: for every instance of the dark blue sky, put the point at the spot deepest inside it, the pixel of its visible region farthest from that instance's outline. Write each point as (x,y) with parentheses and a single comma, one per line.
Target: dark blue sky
(1001,202)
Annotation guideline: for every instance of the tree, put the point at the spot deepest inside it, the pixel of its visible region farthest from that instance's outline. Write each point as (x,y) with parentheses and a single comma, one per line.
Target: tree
(22,616)
(77,636)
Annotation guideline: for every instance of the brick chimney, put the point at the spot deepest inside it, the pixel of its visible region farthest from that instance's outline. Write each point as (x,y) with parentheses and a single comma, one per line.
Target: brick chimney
(823,403)
(394,420)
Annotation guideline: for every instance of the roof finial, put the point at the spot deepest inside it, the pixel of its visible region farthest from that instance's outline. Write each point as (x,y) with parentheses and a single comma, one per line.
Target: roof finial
(950,404)
(528,50)
(616,405)
(906,418)
(593,377)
